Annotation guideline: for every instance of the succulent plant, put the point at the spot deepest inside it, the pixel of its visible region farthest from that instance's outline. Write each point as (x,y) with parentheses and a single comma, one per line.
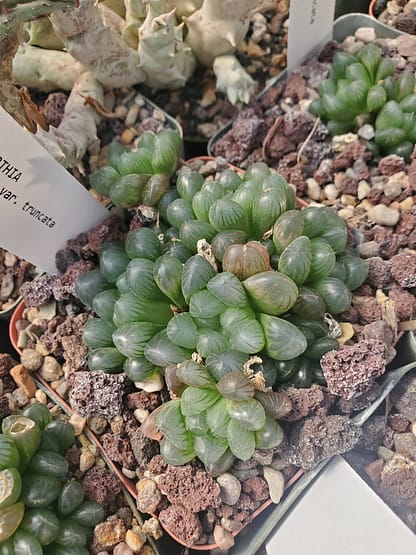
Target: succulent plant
(41,507)
(364,89)
(141,176)
(262,287)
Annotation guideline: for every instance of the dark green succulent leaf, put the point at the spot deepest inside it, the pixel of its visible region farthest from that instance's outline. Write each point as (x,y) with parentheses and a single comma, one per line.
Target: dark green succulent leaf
(217,418)
(224,239)
(165,201)
(210,341)
(166,151)
(295,261)
(106,359)
(266,208)
(241,440)
(336,109)
(127,191)
(358,72)
(103,304)
(355,270)
(390,116)
(182,330)
(193,231)
(248,337)
(327,86)
(227,288)
(249,412)
(287,227)
(172,425)
(139,161)
(271,292)
(320,346)
(162,351)
(385,69)
(201,204)
(316,108)
(132,338)
(89,284)
(226,214)
(335,293)
(197,399)
(113,260)
(407,82)
(172,455)
(335,230)
(233,317)
(195,374)
(98,333)
(219,364)
(147,140)
(230,180)
(103,179)
(221,465)
(256,172)
(204,304)
(403,149)
(340,62)
(167,273)
(211,323)
(139,369)
(132,308)
(115,150)
(236,385)
(392,87)
(322,260)
(270,435)
(209,448)
(140,279)
(376,98)
(179,211)
(188,183)
(143,242)
(196,273)
(197,424)
(309,304)
(370,57)
(284,340)
(389,136)
(340,127)
(408,103)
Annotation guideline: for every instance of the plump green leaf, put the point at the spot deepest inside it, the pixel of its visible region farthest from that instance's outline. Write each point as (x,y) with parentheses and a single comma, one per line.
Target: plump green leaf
(196,273)
(103,179)
(171,423)
(228,289)
(131,339)
(89,284)
(234,317)
(143,242)
(209,448)
(389,136)
(131,308)
(225,214)
(167,273)
(140,279)
(271,292)
(182,330)
(390,116)
(376,98)
(172,455)
(270,435)
(103,304)
(210,341)
(135,162)
(166,152)
(236,385)
(188,183)
(241,440)
(322,260)
(163,352)
(295,262)
(248,337)
(204,304)
(219,364)
(335,293)
(193,231)
(284,340)
(370,57)
(98,333)
(196,424)
(249,412)
(127,191)
(195,374)
(138,369)
(197,399)
(218,418)
(288,227)
(106,359)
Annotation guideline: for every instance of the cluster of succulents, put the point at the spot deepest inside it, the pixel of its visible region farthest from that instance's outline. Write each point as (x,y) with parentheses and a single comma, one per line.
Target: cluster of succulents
(42,509)
(141,176)
(233,271)
(364,89)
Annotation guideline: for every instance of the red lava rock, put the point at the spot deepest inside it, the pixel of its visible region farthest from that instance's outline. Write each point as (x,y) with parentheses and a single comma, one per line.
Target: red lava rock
(404,303)
(391,164)
(297,125)
(403,397)
(182,522)
(39,293)
(373,470)
(143,449)
(378,272)
(96,393)
(4,407)
(63,287)
(398,481)
(351,369)
(307,401)
(118,449)
(111,229)
(101,485)
(317,438)
(368,309)
(403,268)
(6,364)
(143,400)
(256,488)
(361,401)
(398,422)
(295,87)
(193,488)
(54,108)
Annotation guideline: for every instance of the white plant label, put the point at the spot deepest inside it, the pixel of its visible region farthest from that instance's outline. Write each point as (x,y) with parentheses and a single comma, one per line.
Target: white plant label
(41,204)
(310,26)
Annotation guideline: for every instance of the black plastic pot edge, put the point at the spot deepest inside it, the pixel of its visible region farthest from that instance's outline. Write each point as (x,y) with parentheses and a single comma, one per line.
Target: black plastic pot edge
(343,26)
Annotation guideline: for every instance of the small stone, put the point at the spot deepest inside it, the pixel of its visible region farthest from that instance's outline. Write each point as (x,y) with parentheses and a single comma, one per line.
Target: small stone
(23,380)
(128,473)
(31,359)
(41,396)
(346,213)
(62,390)
(127,136)
(348,200)
(405,444)
(394,185)
(19,397)
(51,369)
(223,538)
(135,540)
(406,204)
(383,215)
(230,524)
(122,549)
(276,482)
(363,189)
(7,286)
(366,132)
(384,453)
(140,414)
(78,422)
(86,460)
(406,44)
(132,115)
(97,424)
(369,249)
(148,495)
(151,527)
(365,34)
(331,192)
(313,189)
(230,488)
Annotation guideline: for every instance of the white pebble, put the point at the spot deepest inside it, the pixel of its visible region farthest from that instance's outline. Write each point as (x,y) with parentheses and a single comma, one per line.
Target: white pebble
(313,189)
(331,192)
(363,189)
(276,482)
(383,215)
(365,34)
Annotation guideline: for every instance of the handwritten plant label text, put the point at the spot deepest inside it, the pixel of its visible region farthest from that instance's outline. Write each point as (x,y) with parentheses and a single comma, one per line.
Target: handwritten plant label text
(310,26)
(41,204)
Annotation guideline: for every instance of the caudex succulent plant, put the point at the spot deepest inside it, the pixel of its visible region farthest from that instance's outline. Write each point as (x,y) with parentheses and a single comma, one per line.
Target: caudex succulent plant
(234,288)
(42,508)
(364,89)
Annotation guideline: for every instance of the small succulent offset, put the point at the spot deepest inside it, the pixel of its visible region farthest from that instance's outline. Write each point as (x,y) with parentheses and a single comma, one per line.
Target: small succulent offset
(42,508)
(140,176)
(364,89)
